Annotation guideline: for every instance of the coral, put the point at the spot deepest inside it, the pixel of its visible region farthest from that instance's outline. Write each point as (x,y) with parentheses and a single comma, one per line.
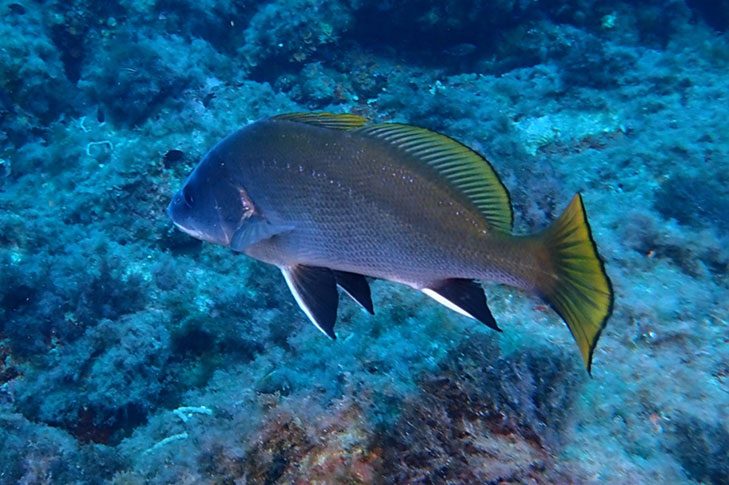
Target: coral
(34,89)
(38,454)
(483,418)
(8,371)
(588,61)
(119,365)
(695,201)
(656,240)
(435,26)
(283,35)
(218,22)
(147,70)
(715,13)
(702,448)
(289,449)
(133,353)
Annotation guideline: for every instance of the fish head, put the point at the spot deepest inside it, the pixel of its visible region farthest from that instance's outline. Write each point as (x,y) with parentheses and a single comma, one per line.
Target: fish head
(211,205)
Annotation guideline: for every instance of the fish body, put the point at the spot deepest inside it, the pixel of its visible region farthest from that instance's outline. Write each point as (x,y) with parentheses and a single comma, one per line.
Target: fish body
(330,199)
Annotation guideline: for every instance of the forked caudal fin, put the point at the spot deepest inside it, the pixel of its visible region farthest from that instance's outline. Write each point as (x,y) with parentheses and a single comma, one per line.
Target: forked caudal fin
(576,286)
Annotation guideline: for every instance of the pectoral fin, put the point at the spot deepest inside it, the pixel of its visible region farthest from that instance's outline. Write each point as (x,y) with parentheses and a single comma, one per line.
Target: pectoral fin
(356,286)
(253,230)
(315,290)
(463,296)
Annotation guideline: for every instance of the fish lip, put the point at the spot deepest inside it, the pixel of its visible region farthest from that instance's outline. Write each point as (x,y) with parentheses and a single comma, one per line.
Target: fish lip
(220,236)
(170,209)
(194,233)
(174,202)
(188,231)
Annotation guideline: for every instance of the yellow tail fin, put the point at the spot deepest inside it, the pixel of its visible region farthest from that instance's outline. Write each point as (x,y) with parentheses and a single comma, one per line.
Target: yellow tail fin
(577,286)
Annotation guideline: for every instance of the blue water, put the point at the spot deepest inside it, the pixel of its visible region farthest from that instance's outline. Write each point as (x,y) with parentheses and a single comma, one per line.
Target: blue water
(133,353)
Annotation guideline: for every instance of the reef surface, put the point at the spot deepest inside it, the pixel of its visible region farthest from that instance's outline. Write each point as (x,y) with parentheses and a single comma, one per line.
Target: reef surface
(132,353)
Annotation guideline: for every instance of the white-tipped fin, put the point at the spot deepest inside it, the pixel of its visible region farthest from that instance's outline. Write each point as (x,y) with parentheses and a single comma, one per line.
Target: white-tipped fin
(463,296)
(447,303)
(315,291)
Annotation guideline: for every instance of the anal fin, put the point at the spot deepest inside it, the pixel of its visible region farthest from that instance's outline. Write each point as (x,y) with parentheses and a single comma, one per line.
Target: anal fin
(463,296)
(315,290)
(356,286)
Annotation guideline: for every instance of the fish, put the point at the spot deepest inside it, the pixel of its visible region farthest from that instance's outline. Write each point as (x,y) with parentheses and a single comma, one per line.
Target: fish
(333,200)
(461,50)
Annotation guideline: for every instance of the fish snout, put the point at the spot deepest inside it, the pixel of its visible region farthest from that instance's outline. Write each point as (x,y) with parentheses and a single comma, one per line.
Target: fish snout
(197,222)
(175,208)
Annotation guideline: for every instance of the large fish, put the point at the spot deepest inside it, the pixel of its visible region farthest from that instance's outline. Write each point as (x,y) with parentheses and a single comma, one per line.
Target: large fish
(330,199)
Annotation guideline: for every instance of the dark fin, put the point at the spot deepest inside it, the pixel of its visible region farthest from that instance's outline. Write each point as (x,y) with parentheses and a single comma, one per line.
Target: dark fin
(464,296)
(577,286)
(468,172)
(253,230)
(315,290)
(356,286)
(325,120)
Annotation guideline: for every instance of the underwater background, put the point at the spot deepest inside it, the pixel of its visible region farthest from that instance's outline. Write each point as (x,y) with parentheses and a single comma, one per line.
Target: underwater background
(131,353)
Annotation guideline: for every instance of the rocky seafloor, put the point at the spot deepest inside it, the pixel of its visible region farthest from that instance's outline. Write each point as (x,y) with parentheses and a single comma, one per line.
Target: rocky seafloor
(131,353)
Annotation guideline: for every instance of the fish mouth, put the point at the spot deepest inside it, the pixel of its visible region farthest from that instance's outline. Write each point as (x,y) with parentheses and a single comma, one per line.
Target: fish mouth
(215,234)
(223,240)
(197,234)
(170,213)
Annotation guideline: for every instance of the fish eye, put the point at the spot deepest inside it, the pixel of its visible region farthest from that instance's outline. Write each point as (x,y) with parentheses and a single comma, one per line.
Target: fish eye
(187,195)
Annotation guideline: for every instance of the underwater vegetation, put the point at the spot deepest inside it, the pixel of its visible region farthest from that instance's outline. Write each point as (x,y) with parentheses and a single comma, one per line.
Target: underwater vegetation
(131,352)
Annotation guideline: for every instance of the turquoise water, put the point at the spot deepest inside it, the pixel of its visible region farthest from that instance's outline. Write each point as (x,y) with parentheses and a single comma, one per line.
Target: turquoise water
(133,353)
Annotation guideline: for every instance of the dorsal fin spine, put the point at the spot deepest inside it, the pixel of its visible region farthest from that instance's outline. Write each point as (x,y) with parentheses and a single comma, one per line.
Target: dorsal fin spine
(466,171)
(332,121)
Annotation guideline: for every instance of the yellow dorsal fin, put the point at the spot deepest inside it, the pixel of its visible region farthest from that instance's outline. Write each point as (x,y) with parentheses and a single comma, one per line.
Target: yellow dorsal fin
(332,121)
(467,171)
